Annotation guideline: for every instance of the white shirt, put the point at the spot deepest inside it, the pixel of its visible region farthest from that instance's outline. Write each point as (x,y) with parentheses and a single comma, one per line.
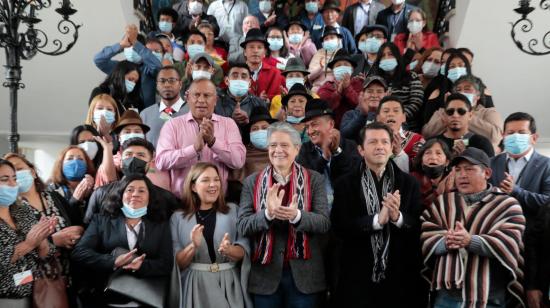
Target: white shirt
(230,16)
(516,166)
(176,106)
(132,238)
(362,16)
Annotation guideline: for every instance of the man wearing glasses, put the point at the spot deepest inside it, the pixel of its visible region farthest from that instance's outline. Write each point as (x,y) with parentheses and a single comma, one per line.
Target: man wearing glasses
(458,113)
(171,104)
(199,136)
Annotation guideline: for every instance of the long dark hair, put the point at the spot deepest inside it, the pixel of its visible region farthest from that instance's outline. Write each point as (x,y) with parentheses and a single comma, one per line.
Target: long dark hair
(114,84)
(74,141)
(4,162)
(155,210)
(38,183)
(400,75)
(283,53)
(417,162)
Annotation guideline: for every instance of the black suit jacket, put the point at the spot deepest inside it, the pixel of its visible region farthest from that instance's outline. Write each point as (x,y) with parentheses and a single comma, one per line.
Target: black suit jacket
(537,253)
(353,225)
(385,18)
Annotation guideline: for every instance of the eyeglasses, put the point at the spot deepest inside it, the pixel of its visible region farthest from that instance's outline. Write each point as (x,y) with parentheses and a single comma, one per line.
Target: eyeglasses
(451,111)
(170,81)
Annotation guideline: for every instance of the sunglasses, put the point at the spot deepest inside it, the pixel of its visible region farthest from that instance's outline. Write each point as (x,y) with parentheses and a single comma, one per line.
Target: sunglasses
(451,111)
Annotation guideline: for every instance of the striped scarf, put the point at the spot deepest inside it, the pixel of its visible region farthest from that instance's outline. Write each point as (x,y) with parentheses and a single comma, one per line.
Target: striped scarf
(498,220)
(297,246)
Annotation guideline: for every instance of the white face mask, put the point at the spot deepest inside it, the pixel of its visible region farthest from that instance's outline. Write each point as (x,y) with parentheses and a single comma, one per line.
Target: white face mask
(201,75)
(397,2)
(195,8)
(90,147)
(415,26)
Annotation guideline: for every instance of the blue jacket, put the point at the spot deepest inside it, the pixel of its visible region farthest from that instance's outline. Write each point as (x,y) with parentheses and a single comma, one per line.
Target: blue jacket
(353,121)
(148,69)
(315,24)
(348,42)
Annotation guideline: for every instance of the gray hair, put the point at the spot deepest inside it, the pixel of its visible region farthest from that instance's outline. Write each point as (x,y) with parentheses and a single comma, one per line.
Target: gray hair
(470,79)
(286,128)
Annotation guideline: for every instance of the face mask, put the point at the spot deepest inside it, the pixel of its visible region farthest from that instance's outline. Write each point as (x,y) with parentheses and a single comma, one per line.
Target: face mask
(292,81)
(341,71)
(130,212)
(265,6)
(294,120)
(259,139)
(330,45)
(74,170)
(8,195)
(201,75)
(312,7)
(430,69)
(194,49)
(415,27)
(165,26)
(275,44)
(24,180)
(457,72)
(371,45)
(397,2)
(470,97)
(131,55)
(517,143)
(412,65)
(388,65)
(126,137)
(169,57)
(433,172)
(157,55)
(238,87)
(295,38)
(133,165)
(90,147)
(442,69)
(195,8)
(130,85)
(108,115)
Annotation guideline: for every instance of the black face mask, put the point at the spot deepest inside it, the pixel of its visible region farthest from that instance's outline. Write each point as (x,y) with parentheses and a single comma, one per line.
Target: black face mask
(133,165)
(433,172)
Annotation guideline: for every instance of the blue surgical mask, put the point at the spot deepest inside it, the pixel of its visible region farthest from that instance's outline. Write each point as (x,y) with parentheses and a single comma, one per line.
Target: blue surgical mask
(169,57)
(292,81)
(165,26)
(259,139)
(130,85)
(130,212)
(457,72)
(126,137)
(293,119)
(24,180)
(8,195)
(330,45)
(75,169)
(371,45)
(312,7)
(295,38)
(388,65)
(201,75)
(107,114)
(430,69)
(194,49)
(442,69)
(470,97)
(517,143)
(157,55)
(275,44)
(413,64)
(340,71)
(131,55)
(238,87)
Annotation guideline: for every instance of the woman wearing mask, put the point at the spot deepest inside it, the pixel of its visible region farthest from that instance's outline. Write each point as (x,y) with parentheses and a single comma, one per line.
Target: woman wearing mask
(431,169)
(417,38)
(318,69)
(207,246)
(277,55)
(368,43)
(41,202)
(123,86)
(429,65)
(405,85)
(299,43)
(103,114)
(24,241)
(218,54)
(73,177)
(83,137)
(132,237)
(294,104)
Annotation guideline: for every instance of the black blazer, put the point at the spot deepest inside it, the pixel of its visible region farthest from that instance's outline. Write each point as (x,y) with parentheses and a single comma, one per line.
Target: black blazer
(353,225)
(537,253)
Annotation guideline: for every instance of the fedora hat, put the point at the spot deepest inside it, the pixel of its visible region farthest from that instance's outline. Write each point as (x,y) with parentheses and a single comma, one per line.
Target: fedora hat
(130,117)
(254,35)
(297,89)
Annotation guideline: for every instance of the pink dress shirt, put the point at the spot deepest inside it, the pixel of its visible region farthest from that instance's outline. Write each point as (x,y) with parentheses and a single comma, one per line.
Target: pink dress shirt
(176,153)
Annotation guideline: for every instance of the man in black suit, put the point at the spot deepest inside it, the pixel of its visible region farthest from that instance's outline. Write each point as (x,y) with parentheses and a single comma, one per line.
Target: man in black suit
(395,17)
(361,14)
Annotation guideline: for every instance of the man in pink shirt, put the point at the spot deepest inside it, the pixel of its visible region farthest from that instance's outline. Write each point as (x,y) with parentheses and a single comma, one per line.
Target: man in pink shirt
(199,135)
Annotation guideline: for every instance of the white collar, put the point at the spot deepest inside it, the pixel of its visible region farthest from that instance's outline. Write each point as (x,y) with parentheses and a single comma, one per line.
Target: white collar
(283,180)
(527,156)
(176,106)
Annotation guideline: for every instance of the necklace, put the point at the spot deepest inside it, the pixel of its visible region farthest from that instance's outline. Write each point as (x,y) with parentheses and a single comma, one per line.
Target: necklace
(203,218)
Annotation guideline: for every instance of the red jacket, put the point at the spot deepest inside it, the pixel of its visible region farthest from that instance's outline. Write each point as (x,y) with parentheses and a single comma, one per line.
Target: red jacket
(269,80)
(428,38)
(341,102)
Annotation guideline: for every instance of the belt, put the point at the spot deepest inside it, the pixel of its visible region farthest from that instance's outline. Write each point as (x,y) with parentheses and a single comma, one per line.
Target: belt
(213,268)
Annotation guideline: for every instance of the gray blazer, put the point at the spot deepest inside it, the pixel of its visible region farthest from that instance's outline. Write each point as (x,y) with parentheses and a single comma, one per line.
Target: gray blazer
(348,20)
(309,275)
(151,117)
(533,190)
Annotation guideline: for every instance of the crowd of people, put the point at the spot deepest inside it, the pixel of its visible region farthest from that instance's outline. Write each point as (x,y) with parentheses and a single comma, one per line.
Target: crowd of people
(283,154)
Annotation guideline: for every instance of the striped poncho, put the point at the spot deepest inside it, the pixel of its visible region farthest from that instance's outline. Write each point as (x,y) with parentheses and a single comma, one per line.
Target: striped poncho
(499,222)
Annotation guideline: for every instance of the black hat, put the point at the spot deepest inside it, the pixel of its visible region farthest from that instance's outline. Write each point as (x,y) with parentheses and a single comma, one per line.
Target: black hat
(295,65)
(331,4)
(375,78)
(369,29)
(296,21)
(254,35)
(316,108)
(330,30)
(260,113)
(473,155)
(297,89)
(340,55)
